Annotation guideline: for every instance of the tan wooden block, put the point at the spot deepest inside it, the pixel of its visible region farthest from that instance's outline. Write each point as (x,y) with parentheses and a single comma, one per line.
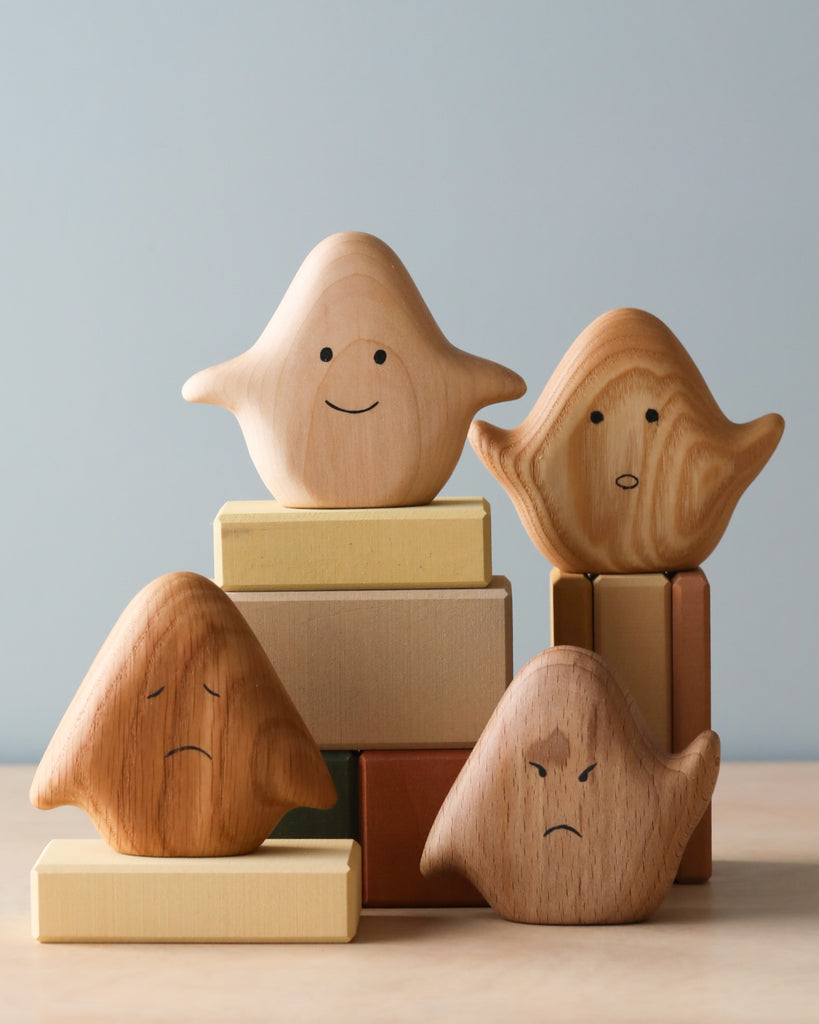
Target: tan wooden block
(352,397)
(288,890)
(261,545)
(572,609)
(632,632)
(691,689)
(375,669)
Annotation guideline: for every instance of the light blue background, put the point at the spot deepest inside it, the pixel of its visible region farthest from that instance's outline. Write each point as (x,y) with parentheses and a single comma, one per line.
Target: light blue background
(166,167)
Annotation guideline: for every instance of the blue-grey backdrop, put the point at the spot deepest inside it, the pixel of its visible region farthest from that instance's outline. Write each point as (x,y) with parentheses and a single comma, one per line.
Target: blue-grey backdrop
(166,166)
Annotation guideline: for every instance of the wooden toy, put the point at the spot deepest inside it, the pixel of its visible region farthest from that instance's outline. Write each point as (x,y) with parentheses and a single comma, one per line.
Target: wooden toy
(572,609)
(352,397)
(565,812)
(285,891)
(181,740)
(626,464)
(375,669)
(691,695)
(337,822)
(401,792)
(261,545)
(632,633)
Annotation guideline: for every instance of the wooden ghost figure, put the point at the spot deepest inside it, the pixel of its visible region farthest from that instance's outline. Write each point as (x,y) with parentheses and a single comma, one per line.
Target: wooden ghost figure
(626,463)
(352,397)
(564,812)
(181,740)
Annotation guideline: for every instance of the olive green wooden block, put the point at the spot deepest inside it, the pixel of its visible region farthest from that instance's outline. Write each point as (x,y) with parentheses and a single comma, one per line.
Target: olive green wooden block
(340,821)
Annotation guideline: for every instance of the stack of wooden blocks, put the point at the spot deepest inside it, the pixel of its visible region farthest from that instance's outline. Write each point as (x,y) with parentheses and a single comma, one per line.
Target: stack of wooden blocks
(394,640)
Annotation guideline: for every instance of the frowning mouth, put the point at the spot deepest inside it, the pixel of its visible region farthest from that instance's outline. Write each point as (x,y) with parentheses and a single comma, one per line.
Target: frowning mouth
(177,750)
(556,828)
(351,412)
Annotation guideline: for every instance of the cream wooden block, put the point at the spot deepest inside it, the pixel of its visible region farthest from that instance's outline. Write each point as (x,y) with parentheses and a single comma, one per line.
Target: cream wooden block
(288,890)
(261,545)
(389,668)
(632,632)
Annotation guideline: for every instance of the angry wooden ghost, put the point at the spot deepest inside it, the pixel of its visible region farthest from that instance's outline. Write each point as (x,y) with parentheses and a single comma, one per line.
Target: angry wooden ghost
(352,397)
(626,463)
(181,740)
(564,812)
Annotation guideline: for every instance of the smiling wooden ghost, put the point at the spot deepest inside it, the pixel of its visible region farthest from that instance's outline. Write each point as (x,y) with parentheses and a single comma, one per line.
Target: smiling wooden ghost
(352,397)
(626,463)
(564,812)
(181,740)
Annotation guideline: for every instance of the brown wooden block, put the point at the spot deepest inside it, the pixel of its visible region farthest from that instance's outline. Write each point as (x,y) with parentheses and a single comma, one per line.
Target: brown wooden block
(285,891)
(691,695)
(632,632)
(401,791)
(372,669)
(572,609)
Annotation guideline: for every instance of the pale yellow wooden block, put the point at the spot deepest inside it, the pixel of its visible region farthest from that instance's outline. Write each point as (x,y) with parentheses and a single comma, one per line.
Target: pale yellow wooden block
(261,545)
(372,669)
(289,890)
(632,631)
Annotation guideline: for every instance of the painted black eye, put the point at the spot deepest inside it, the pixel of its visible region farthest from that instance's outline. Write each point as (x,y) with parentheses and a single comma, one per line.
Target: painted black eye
(584,775)
(156,693)
(652,415)
(380,356)
(213,693)
(540,769)
(326,355)
(597,416)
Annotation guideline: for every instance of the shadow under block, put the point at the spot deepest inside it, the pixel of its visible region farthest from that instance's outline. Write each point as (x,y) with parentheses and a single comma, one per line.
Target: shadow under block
(691,674)
(339,822)
(261,545)
(632,632)
(286,891)
(572,609)
(401,793)
(372,669)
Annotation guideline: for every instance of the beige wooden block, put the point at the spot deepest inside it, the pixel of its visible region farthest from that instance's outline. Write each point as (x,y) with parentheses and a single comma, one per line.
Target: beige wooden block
(372,669)
(288,890)
(572,609)
(632,632)
(261,545)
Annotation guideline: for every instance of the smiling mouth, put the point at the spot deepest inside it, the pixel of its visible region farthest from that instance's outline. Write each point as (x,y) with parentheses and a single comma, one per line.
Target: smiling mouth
(628,481)
(351,412)
(556,828)
(177,750)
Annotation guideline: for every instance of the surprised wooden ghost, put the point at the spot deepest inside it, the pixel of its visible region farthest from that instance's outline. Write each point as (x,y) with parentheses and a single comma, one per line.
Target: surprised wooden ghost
(565,812)
(181,740)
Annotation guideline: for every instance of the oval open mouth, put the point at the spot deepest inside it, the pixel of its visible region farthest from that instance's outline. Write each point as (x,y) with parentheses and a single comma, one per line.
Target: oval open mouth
(351,412)
(627,481)
(556,828)
(177,750)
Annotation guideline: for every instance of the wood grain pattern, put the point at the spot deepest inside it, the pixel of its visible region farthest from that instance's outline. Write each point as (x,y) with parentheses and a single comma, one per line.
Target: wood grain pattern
(572,609)
(373,669)
(691,695)
(565,812)
(261,545)
(352,396)
(181,740)
(626,463)
(401,793)
(285,891)
(632,633)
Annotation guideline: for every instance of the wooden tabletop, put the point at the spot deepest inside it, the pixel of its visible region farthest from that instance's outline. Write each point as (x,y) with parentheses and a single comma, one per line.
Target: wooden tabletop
(743,948)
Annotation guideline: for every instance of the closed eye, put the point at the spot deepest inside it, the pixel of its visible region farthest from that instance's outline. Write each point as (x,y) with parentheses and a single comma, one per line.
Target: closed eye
(213,693)
(540,769)
(584,775)
(156,693)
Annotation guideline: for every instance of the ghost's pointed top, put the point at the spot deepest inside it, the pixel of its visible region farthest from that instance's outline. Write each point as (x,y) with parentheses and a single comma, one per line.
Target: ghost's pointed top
(352,396)
(626,462)
(181,740)
(565,812)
